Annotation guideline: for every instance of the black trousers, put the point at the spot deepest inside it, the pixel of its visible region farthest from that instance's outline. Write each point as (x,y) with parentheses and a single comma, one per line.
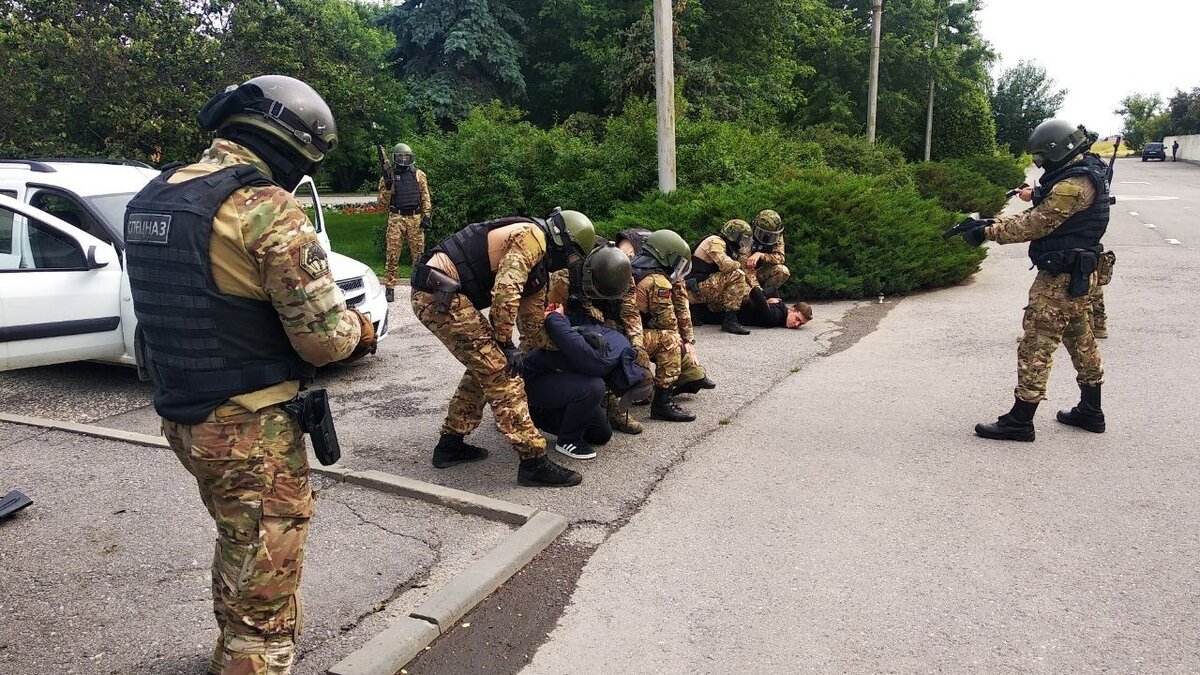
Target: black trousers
(568,405)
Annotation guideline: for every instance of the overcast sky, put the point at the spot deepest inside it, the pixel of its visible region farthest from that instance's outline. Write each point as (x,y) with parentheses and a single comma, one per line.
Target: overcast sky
(1099,50)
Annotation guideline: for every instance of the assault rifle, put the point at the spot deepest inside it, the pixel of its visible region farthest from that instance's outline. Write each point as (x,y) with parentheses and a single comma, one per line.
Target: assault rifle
(1112,163)
(389,175)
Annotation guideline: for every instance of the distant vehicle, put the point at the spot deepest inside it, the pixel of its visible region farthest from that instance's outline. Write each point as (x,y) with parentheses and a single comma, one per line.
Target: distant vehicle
(1154,151)
(64,292)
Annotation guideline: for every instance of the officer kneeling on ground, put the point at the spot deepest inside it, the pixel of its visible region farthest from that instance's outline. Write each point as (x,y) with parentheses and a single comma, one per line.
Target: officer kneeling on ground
(1064,228)
(502,264)
(236,307)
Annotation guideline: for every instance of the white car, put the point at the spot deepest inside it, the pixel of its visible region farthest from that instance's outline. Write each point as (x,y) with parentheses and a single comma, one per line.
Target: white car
(64,293)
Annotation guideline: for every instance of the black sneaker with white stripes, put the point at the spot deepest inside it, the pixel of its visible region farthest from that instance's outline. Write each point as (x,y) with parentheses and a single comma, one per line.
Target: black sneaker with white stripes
(576,449)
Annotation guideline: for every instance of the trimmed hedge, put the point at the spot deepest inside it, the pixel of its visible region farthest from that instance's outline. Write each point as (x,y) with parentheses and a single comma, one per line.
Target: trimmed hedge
(1004,171)
(847,235)
(958,188)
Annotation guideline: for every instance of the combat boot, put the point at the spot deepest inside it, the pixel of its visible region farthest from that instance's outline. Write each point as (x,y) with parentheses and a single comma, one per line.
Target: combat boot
(694,386)
(452,449)
(663,408)
(1087,415)
(1015,425)
(623,422)
(731,324)
(541,472)
(390,294)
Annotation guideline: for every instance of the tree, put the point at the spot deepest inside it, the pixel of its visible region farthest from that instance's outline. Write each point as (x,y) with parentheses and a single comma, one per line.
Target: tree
(1024,97)
(1184,112)
(1142,115)
(456,54)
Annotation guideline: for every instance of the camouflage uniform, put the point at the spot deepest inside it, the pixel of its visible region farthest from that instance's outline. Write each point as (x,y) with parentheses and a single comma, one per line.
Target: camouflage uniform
(770,272)
(1052,315)
(667,325)
(725,289)
(401,227)
(1096,292)
(249,457)
(476,342)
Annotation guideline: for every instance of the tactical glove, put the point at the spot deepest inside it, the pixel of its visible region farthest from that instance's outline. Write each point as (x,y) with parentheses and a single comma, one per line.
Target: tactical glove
(426,222)
(643,357)
(514,357)
(977,236)
(367,343)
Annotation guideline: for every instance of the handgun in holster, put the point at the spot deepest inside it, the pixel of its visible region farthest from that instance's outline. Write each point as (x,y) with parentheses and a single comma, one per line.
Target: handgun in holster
(1081,273)
(437,283)
(311,410)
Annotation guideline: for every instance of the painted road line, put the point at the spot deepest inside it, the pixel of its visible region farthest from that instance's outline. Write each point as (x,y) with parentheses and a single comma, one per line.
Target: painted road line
(1133,213)
(1144,198)
(1174,242)
(1151,226)
(1134,182)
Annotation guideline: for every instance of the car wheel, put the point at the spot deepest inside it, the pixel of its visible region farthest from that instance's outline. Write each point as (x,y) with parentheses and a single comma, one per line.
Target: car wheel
(1143,159)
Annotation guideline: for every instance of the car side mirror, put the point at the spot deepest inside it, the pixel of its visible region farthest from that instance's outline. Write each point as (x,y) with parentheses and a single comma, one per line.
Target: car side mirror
(92,263)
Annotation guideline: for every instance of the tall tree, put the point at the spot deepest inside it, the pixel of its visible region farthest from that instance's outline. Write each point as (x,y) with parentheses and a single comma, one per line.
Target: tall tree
(455,54)
(1142,118)
(1024,97)
(1184,112)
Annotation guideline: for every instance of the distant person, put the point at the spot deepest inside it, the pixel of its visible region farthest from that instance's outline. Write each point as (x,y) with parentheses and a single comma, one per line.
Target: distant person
(404,189)
(1174,151)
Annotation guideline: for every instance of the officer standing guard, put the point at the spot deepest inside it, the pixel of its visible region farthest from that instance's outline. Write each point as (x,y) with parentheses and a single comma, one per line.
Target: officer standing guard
(236,307)
(503,264)
(1064,228)
(404,189)
(764,262)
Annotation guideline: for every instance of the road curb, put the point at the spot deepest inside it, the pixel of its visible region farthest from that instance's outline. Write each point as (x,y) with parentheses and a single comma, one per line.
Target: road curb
(389,650)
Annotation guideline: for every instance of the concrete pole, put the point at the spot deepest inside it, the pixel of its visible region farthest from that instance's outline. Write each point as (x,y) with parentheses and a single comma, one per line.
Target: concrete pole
(929,117)
(664,85)
(873,91)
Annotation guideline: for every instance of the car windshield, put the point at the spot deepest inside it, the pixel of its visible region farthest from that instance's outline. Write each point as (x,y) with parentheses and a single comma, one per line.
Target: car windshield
(112,209)
(1154,146)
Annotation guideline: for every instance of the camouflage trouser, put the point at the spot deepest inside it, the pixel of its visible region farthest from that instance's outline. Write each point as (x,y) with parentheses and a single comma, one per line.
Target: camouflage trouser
(1053,316)
(769,275)
(722,291)
(252,471)
(1099,315)
(689,370)
(663,346)
(468,336)
(400,228)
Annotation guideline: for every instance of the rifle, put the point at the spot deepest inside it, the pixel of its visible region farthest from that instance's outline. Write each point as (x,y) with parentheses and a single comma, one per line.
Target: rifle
(389,176)
(966,225)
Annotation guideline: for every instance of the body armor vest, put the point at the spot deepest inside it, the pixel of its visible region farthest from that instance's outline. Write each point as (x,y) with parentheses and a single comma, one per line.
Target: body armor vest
(1083,230)
(468,250)
(406,193)
(204,346)
(639,275)
(636,236)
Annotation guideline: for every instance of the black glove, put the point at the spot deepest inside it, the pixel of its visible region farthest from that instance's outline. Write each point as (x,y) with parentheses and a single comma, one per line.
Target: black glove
(515,358)
(975,237)
(597,342)
(965,226)
(426,222)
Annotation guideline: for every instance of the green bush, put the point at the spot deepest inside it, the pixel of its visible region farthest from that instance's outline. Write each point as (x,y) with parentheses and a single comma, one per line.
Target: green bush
(958,188)
(854,153)
(847,235)
(1002,170)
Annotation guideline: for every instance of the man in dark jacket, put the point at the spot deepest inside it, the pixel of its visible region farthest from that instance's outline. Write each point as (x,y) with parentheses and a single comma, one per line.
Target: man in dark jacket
(566,385)
(764,308)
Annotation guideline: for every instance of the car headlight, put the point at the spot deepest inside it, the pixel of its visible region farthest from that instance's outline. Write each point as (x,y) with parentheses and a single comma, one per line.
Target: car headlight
(371,284)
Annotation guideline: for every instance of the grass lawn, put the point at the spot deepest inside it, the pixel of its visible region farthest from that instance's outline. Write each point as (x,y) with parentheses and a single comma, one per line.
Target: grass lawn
(354,235)
(1105,149)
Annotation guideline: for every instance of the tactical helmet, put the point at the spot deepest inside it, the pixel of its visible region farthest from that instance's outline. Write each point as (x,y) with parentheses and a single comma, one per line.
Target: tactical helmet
(571,227)
(768,227)
(402,155)
(670,251)
(606,273)
(1055,142)
(737,233)
(283,108)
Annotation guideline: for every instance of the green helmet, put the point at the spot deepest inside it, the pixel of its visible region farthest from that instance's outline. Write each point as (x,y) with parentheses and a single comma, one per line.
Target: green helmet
(1055,142)
(670,251)
(285,110)
(768,227)
(606,273)
(402,155)
(571,227)
(737,233)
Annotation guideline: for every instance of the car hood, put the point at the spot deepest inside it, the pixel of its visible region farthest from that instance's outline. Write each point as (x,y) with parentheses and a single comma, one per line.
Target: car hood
(345,267)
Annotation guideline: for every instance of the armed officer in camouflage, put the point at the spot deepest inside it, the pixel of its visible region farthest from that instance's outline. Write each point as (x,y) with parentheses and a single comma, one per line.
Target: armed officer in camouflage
(503,264)
(236,308)
(1064,228)
(717,278)
(404,189)
(764,260)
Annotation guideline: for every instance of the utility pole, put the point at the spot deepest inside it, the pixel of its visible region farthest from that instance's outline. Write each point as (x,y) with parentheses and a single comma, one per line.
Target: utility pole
(873,92)
(932,81)
(664,86)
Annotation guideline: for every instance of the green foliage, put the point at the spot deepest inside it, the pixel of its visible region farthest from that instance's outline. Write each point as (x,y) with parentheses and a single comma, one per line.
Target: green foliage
(1001,170)
(1183,113)
(854,153)
(958,188)
(963,125)
(1143,119)
(847,235)
(1024,97)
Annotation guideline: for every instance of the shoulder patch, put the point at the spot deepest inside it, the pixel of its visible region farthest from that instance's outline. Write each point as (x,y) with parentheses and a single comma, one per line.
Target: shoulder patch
(314,260)
(664,293)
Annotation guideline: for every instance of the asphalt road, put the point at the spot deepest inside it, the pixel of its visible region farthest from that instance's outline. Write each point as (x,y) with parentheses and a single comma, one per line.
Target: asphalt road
(849,521)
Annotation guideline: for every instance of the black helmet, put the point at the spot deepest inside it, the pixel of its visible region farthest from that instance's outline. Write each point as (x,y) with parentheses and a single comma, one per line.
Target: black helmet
(1055,142)
(606,273)
(402,155)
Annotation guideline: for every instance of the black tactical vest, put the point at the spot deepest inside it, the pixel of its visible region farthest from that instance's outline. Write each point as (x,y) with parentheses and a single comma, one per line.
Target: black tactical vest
(468,250)
(640,274)
(406,195)
(1083,230)
(204,346)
